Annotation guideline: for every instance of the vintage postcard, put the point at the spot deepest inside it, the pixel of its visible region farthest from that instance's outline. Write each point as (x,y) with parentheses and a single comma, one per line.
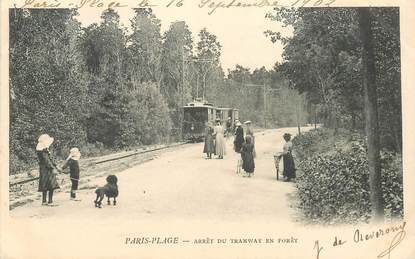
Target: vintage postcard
(207,129)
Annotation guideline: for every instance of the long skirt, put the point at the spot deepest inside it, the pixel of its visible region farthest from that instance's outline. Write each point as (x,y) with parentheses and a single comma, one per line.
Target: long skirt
(220,149)
(209,145)
(248,163)
(253,143)
(289,166)
(47,181)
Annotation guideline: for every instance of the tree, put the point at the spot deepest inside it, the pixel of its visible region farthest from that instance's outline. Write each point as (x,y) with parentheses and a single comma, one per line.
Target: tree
(104,55)
(210,73)
(372,125)
(47,83)
(145,48)
(323,59)
(177,47)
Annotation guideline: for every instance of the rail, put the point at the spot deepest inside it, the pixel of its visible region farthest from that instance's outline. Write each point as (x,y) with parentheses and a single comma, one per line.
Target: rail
(21,182)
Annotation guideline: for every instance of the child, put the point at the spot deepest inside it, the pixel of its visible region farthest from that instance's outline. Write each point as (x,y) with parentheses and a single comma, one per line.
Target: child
(209,147)
(72,162)
(247,155)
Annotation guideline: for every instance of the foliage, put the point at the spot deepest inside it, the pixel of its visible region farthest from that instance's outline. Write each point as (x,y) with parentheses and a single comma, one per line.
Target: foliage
(177,46)
(323,60)
(148,119)
(103,87)
(333,183)
(47,83)
(146,47)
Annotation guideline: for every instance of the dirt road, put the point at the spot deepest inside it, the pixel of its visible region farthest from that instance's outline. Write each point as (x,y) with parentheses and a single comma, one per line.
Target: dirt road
(183,184)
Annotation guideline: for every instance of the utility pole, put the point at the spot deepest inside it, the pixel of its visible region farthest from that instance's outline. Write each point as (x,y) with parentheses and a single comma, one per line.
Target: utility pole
(200,60)
(265,94)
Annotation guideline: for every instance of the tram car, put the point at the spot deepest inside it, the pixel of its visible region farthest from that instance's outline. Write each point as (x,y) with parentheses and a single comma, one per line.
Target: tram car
(195,116)
(227,116)
(198,112)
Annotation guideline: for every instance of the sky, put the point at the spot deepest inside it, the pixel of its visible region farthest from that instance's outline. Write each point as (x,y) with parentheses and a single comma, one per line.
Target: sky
(239,31)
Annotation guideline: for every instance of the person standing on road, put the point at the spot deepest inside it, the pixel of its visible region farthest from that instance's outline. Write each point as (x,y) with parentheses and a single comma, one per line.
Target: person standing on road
(220,149)
(247,155)
(47,169)
(250,132)
(72,162)
(288,160)
(209,147)
(239,137)
(228,127)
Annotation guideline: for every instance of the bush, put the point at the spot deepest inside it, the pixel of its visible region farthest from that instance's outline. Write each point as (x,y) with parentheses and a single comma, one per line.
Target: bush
(333,186)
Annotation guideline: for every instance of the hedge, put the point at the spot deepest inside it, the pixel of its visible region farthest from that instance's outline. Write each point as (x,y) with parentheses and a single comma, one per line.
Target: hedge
(333,185)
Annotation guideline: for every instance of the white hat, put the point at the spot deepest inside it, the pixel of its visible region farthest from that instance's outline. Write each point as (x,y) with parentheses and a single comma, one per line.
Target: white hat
(238,123)
(44,141)
(247,122)
(74,153)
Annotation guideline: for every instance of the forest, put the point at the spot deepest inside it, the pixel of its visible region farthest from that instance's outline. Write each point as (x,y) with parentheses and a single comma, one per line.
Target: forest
(346,64)
(107,87)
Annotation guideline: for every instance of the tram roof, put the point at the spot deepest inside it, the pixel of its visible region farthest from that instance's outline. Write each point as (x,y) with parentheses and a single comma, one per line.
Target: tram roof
(205,104)
(199,104)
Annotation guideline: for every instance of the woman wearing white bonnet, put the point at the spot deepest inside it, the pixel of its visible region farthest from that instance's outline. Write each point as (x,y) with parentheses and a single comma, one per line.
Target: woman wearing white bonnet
(47,169)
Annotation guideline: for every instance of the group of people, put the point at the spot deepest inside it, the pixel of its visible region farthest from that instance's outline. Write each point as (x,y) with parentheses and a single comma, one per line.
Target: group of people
(48,170)
(244,144)
(214,140)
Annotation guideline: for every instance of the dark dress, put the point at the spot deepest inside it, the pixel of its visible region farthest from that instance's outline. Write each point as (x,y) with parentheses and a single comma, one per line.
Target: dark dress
(239,139)
(250,132)
(73,172)
(209,144)
(47,180)
(247,155)
(289,166)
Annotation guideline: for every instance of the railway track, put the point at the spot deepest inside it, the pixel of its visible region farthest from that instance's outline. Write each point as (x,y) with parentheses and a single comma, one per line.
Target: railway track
(107,159)
(24,190)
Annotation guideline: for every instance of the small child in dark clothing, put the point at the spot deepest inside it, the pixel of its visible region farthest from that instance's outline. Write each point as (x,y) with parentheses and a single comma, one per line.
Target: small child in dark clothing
(247,154)
(72,162)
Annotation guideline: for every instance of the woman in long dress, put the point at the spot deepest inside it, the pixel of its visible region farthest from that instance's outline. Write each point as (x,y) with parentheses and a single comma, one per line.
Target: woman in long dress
(289,166)
(209,147)
(247,155)
(47,169)
(250,132)
(239,137)
(220,149)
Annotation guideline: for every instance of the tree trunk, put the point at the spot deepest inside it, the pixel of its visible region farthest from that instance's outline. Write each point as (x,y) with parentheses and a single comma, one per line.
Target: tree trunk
(297,115)
(371,113)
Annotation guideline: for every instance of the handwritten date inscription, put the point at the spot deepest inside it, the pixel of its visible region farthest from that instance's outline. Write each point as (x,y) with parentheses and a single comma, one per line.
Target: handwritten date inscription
(210,5)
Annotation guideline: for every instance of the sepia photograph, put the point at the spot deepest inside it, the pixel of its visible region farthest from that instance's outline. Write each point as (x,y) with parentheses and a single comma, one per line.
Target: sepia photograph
(214,130)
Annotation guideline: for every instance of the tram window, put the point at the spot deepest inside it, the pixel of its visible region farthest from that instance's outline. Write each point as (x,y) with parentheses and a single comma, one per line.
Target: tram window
(195,115)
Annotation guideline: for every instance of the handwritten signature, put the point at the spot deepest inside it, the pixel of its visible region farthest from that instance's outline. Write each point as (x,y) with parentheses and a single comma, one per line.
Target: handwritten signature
(359,237)
(397,239)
